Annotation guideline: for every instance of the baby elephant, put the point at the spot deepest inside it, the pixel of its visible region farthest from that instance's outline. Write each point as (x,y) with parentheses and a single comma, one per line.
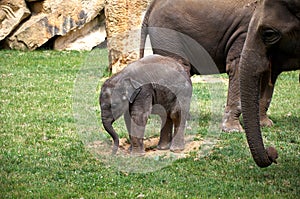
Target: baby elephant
(153,84)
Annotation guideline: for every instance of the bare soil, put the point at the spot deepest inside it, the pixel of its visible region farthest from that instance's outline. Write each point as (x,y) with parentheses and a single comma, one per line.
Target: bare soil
(191,144)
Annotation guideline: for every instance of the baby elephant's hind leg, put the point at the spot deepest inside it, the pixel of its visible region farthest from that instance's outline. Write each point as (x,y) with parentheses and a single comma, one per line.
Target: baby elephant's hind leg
(165,135)
(178,137)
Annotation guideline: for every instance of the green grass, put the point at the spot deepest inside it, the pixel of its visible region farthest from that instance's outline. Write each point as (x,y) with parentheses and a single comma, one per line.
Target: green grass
(42,155)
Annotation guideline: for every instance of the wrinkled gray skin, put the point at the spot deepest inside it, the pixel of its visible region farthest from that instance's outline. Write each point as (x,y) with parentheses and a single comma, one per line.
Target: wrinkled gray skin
(144,87)
(272,45)
(220,27)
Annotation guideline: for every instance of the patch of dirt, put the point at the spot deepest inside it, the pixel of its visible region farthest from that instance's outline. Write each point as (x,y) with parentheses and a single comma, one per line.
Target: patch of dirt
(192,144)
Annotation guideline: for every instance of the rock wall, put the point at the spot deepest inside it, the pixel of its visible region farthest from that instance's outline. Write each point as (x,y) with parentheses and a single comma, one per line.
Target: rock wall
(86,38)
(11,14)
(123,23)
(27,25)
(74,25)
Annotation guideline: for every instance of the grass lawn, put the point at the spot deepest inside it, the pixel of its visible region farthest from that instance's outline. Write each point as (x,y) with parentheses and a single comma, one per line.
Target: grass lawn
(49,102)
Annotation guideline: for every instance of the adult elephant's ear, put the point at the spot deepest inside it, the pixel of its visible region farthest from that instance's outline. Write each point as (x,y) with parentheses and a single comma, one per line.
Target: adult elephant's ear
(132,89)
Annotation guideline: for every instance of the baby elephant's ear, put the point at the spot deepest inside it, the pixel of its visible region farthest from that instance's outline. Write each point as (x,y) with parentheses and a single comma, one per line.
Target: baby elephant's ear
(132,88)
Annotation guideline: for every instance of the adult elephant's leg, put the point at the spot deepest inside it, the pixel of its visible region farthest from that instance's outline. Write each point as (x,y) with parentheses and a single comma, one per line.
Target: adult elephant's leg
(165,134)
(233,110)
(267,88)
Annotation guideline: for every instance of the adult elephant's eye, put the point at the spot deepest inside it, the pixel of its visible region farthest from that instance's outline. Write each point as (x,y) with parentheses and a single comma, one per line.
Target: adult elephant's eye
(270,36)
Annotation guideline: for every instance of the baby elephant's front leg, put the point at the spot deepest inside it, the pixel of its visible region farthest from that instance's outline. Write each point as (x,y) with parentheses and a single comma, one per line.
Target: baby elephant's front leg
(136,146)
(139,112)
(136,134)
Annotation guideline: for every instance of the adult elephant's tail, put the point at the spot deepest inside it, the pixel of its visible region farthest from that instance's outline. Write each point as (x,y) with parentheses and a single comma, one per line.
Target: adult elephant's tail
(144,33)
(144,30)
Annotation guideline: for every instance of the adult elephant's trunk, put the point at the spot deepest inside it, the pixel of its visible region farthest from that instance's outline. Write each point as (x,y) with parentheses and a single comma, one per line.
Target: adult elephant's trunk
(253,65)
(254,62)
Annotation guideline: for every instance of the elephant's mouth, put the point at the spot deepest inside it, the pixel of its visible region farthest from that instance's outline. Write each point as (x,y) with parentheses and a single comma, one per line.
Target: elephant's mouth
(291,64)
(285,62)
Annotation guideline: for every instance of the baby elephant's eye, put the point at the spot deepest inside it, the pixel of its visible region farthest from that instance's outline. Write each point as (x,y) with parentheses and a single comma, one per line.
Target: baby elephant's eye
(270,36)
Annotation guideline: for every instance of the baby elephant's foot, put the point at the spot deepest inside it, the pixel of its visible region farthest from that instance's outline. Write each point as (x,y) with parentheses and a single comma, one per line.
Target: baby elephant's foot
(266,122)
(177,148)
(137,152)
(163,146)
(136,146)
(232,126)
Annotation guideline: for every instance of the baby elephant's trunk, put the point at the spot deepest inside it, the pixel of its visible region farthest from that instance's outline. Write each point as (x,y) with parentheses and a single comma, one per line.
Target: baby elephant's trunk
(107,124)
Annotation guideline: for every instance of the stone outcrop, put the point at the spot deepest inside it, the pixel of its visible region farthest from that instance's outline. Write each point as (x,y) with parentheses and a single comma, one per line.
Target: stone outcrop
(74,25)
(12,12)
(53,18)
(91,35)
(123,23)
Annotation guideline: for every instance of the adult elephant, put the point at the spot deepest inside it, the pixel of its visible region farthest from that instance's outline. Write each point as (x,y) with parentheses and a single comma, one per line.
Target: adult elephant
(194,31)
(272,46)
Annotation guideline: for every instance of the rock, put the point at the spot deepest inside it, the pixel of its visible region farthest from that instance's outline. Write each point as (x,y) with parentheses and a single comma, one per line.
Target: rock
(102,45)
(35,7)
(57,18)
(90,35)
(12,12)
(123,23)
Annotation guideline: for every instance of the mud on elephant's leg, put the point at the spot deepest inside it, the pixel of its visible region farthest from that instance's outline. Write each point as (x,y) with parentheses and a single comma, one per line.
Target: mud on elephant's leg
(165,135)
(267,88)
(230,122)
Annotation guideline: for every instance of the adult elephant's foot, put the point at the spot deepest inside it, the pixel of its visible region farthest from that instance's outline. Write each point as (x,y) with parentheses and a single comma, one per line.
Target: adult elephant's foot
(230,121)
(266,122)
(231,124)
